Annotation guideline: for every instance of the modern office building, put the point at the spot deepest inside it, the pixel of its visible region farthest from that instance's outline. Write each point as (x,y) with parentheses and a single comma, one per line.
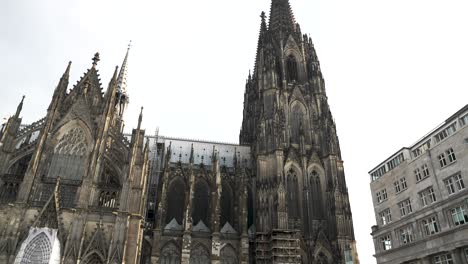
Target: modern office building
(420,198)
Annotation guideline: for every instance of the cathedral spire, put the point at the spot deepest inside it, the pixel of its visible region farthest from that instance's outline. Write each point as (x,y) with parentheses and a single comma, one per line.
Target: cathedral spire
(122,79)
(19,108)
(281,17)
(140,118)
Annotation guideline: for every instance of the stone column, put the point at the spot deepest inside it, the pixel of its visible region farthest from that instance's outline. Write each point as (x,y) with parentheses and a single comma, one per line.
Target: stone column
(426,260)
(457,255)
(187,238)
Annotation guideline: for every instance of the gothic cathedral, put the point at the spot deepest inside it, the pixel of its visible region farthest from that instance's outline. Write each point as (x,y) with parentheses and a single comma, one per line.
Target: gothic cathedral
(74,188)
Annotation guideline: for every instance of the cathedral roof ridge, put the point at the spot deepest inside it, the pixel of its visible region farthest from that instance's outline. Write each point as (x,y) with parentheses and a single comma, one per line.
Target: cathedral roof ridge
(196,140)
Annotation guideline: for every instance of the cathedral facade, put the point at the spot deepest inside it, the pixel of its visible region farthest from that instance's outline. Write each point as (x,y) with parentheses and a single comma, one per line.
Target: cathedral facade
(75,189)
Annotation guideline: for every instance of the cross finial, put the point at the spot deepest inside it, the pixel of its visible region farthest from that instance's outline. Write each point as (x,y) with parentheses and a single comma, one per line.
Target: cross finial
(96,59)
(263,15)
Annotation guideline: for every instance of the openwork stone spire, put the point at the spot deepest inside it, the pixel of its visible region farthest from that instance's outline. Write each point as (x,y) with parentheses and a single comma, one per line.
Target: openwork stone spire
(281,17)
(122,78)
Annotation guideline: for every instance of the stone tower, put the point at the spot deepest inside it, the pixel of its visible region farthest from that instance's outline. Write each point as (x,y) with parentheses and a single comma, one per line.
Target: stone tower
(301,210)
(72,186)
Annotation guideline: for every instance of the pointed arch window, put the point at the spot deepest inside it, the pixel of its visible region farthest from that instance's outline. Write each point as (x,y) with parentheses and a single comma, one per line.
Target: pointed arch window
(297,121)
(37,251)
(201,203)
(70,153)
(176,201)
(228,255)
(170,254)
(227,206)
(199,255)
(293,194)
(316,190)
(291,66)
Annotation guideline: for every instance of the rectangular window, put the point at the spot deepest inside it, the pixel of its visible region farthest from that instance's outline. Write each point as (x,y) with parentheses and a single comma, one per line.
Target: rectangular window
(385,217)
(386,242)
(397,186)
(384,194)
(464,120)
(405,207)
(442,160)
(406,235)
(431,194)
(378,173)
(395,161)
(404,186)
(449,184)
(451,155)
(425,170)
(381,195)
(430,226)
(443,259)
(446,132)
(417,174)
(459,182)
(400,185)
(427,196)
(423,148)
(459,216)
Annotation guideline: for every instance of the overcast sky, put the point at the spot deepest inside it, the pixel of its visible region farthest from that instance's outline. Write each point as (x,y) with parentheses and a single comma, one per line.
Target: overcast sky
(394,69)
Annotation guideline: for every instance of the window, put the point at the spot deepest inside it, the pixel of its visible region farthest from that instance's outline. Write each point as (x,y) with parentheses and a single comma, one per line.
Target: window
(422,173)
(430,226)
(404,186)
(395,161)
(425,170)
(459,182)
(459,215)
(381,195)
(418,174)
(397,186)
(446,132)
(466,254)
(454,184)
(378,173)
(427,196)
(292,68)
(423,148)
(386,242)
(443,259)
(385,217)
(406,235)
(405,207)
(450,185)
(442,160)
(400,185)
(451,155)
(464,120)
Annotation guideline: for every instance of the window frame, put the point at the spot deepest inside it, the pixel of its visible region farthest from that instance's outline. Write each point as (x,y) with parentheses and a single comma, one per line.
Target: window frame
(386,242)
(460,213)
(430,226)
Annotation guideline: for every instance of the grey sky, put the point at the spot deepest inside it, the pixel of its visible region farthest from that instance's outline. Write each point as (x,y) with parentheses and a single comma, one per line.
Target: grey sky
(394,69)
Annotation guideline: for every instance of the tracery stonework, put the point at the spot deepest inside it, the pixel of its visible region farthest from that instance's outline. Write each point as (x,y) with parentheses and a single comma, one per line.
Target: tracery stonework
(279,196)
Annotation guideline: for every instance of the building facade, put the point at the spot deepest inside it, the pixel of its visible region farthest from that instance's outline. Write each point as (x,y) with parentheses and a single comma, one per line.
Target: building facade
(291,201)
(76,189)
(73,187)
(420,198)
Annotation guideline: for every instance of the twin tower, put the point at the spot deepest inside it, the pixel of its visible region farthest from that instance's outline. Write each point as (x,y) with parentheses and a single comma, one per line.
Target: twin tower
(74,188)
